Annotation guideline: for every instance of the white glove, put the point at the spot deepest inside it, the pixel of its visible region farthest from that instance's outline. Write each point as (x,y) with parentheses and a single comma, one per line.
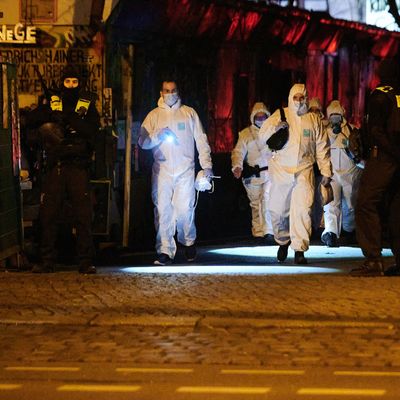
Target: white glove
(208,172)
(281,125)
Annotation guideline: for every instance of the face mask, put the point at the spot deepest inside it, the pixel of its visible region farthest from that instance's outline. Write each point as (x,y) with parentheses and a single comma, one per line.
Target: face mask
(336,123)
(336,129)
(259,121)
(70,94)
(170,98)
(301,107)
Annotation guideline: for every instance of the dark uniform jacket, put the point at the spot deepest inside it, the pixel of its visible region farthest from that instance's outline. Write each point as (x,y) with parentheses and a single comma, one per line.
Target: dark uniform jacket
(384,120)
(68,136)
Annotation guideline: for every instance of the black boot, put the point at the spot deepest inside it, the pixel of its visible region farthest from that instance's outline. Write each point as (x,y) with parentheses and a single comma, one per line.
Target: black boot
(393,270)
(282,252)
(45,268)
(299,257)
(163,259)
(369,268)
(269,239)
(87,269)
(190,253)
(329,239)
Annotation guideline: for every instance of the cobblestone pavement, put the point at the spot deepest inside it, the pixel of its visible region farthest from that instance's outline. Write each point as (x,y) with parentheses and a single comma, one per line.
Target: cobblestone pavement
(330,320)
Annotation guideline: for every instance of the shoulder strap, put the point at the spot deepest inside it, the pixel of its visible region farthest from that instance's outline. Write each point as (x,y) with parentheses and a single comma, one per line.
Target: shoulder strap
(350,130)
(283,117)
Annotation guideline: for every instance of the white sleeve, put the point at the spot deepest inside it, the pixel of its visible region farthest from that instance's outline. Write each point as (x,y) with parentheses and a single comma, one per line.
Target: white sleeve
(148,137)
(239,152)
(201,143)
(323,150)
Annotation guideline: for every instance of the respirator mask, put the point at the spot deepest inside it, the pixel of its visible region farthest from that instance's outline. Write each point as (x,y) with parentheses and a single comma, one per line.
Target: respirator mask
(336,123)
(301,107)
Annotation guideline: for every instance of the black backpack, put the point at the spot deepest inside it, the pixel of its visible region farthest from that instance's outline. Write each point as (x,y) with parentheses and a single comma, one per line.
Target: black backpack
(280,137)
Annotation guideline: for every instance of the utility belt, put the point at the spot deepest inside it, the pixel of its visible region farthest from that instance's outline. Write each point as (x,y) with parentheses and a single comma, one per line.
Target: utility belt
(252,172)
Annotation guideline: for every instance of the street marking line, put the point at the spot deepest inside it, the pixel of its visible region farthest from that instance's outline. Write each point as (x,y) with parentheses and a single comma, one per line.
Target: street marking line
(9,386)
(52,369)
(262,371)
(341,392)
(223,389)
(366,373)
(98,388)
(157,370)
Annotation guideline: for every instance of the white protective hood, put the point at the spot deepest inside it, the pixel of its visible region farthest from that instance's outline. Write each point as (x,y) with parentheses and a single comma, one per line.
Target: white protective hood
(292,110)
(335,108)
(258,107)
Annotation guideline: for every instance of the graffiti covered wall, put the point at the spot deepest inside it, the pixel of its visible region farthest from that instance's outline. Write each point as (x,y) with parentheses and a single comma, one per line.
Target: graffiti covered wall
(46,60)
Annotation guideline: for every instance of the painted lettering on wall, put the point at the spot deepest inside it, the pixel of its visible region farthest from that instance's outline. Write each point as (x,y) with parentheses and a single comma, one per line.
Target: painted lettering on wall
(50,62)
(71,36)
(18,34)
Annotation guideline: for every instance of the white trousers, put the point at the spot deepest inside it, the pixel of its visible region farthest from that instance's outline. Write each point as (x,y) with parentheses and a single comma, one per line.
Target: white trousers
(339,213)
(258,195)
(173,198)
(290,205)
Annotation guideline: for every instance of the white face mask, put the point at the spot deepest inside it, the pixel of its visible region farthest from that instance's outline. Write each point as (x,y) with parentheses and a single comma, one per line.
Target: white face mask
(301,107)
(170,98)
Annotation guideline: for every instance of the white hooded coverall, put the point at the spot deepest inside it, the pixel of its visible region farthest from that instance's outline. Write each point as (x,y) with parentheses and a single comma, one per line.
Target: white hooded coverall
(173,171)
(345,180)
(292,175)
(254,151)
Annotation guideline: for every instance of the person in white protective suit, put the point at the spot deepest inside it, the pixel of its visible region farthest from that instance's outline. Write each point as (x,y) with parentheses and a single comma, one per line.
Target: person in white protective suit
(339,214)
(253,151)
(315,107)
(292,175)
(172,130)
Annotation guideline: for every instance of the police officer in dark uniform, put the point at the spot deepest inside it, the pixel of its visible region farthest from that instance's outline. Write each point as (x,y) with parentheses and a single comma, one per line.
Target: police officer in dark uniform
(380,171)
(67,126)
(394,226)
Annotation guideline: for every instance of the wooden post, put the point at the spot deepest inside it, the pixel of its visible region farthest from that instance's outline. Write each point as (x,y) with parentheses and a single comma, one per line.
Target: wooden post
(128,149)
